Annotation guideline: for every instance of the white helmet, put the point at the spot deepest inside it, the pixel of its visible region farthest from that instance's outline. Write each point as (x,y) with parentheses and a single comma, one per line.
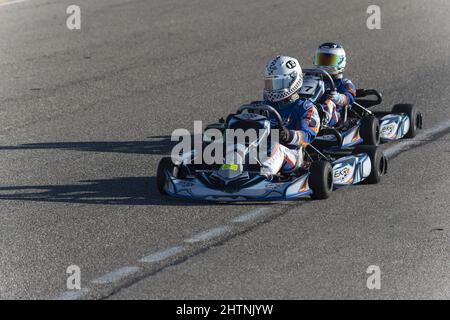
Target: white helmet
(331,57)
(283,78)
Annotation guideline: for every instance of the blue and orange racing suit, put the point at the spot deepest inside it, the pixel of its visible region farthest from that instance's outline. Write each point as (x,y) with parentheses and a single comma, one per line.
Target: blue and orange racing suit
(302,119)
(346,96)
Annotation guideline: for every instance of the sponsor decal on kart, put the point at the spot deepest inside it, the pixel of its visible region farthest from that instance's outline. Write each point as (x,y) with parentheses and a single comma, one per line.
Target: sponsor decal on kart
(184,184)
(343,175)
(350,170)
(388,131)
(326,137)
(394,126)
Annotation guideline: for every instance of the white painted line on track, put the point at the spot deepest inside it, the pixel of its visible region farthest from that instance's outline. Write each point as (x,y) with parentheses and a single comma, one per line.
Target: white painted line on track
(116,275)
(403,145)
(7,3)
(252,215)
(161,255)
(73,294)
(208,235)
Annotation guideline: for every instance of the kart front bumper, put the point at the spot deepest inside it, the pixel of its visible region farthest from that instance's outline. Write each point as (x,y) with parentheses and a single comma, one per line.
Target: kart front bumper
(263,191)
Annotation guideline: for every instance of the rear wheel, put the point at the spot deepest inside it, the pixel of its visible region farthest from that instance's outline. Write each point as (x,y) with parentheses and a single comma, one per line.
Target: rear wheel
(378,162)
(165,166)
(370,130)
(415,119)
(320,179)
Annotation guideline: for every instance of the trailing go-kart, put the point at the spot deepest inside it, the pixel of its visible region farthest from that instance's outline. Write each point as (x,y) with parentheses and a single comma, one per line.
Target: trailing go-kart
(359,125)
(320,173)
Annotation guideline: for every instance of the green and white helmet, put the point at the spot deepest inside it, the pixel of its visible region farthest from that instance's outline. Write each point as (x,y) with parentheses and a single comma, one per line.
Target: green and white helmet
(283,78)
(331,57)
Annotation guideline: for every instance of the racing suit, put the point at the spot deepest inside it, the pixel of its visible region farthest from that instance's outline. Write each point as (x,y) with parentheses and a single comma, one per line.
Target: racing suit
(303,121)
(346,94)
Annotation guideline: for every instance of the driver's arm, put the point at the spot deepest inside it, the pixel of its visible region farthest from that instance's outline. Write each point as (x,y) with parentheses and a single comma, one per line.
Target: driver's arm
(331,116)
(308,127)
(346,94)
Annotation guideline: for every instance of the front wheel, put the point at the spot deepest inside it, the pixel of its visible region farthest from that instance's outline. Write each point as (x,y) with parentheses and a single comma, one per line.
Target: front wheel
(320,179)
(378,162)
(370,130)
(165,166)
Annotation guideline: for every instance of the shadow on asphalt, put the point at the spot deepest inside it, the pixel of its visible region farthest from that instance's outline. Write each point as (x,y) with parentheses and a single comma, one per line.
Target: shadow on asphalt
(133,191)
(116,191)
(157,145)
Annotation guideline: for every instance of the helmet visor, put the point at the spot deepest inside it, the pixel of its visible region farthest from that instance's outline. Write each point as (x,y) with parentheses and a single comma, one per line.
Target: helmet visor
(327,60)
(274,83)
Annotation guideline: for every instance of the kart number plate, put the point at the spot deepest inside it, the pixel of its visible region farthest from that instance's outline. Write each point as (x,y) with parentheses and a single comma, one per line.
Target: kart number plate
(232,167)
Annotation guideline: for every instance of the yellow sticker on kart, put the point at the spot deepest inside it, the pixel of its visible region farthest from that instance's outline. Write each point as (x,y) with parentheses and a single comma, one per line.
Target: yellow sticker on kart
(232,167)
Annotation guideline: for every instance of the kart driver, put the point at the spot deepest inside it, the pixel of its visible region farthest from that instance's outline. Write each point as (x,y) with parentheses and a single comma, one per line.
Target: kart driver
(283,79)
(331,57)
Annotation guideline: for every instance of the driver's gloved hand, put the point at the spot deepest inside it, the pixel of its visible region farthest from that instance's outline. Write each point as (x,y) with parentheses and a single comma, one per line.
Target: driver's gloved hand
(334,96)
(285,136)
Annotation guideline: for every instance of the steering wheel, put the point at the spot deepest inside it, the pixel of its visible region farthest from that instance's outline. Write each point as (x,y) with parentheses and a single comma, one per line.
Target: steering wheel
(321,72)
(265,108)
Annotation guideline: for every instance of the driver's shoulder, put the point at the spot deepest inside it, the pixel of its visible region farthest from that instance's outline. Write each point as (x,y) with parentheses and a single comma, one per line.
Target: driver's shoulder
(347,85)
(305,104)
(345,82)
(302,107)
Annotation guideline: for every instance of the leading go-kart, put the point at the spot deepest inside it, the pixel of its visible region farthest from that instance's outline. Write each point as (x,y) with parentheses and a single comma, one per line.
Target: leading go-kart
(320,172)
(358,124)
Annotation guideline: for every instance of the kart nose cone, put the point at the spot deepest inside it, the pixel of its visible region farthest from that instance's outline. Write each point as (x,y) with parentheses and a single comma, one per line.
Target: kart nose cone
(229,171)
(230,174)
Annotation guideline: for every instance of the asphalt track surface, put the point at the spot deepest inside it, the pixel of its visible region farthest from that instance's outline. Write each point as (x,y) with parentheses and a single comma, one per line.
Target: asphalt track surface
(86,115)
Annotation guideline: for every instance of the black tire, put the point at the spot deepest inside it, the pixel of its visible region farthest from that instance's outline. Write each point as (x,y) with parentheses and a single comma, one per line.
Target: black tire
(320,179)
(165,165)
(378,162)
(414,118)
(370,131)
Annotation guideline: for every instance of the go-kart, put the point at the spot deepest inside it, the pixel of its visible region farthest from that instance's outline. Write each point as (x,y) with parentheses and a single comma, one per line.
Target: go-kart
(358,124)
(320,172)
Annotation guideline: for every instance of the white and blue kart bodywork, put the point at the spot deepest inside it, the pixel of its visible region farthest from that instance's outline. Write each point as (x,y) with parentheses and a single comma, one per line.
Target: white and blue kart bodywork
(394,127)
(350,138)
(347,171)
(341,167)
(401,122)
(350,150)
